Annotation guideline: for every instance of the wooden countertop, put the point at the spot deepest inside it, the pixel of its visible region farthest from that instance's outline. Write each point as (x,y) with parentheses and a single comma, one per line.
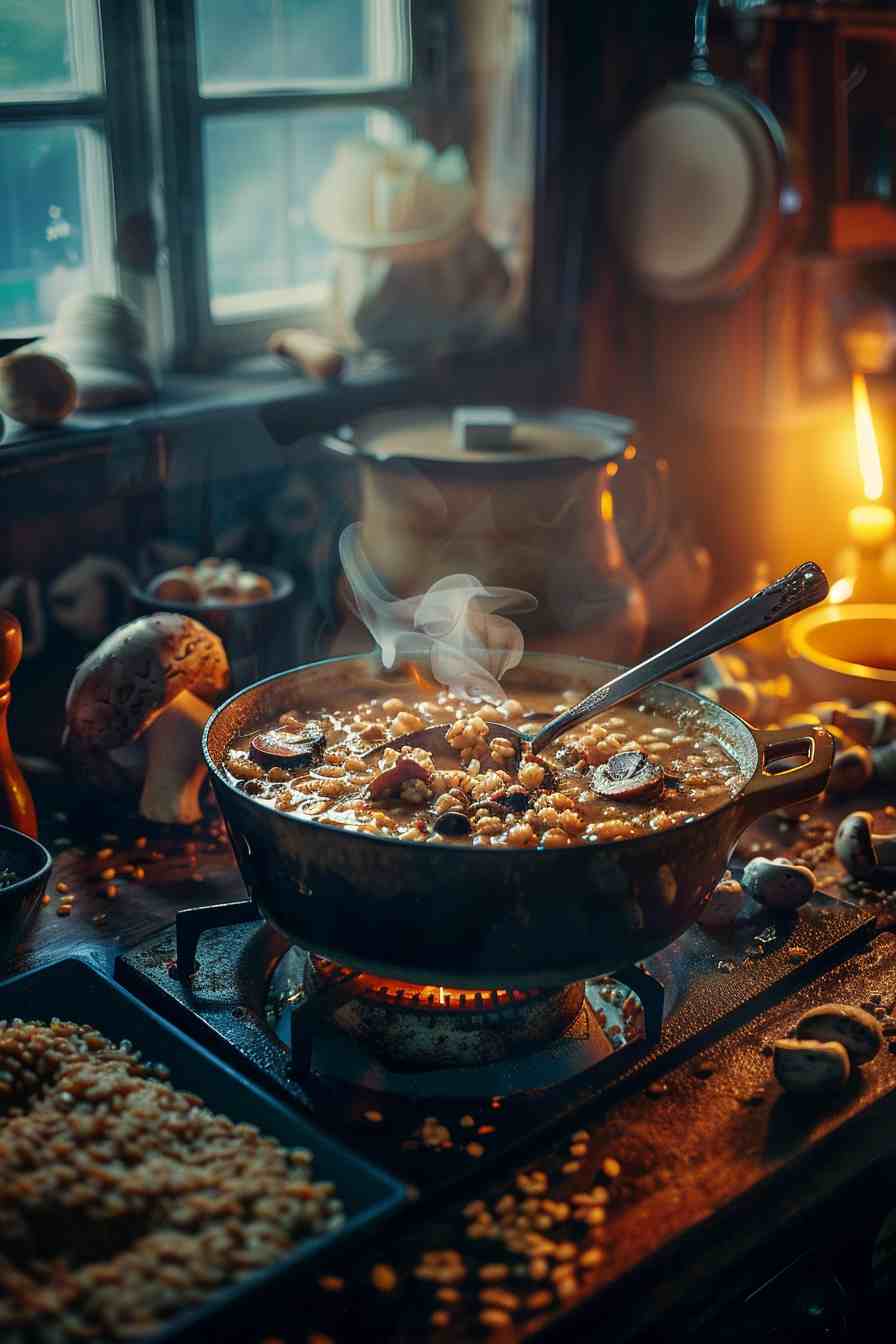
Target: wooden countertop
(124,883)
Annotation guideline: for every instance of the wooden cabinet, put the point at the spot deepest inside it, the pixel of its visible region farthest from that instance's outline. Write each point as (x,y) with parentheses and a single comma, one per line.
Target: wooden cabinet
(833,83)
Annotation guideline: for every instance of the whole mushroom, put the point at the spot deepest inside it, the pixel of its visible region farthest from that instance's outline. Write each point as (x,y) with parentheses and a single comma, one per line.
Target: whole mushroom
(137,706)
(726,683)
(872,725)
(851,771)
(778,884)
(857,1031)
(811,1066)
(826,709)
(883,763)
(883,717)
(740,697)
(91,597)
(861,852)
(175,585)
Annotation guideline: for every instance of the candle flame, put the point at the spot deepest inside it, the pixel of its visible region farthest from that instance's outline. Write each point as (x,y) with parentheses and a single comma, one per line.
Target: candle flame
(866,440)
(842,590)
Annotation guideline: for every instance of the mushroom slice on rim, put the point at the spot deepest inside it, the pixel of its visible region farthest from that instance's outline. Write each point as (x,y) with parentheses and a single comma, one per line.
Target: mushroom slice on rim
(628,775)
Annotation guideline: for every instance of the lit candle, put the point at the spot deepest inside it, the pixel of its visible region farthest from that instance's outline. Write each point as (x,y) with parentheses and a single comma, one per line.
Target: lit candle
(871,525)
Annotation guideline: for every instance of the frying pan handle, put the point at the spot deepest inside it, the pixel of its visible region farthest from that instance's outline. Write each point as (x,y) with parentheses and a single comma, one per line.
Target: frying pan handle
(768,790)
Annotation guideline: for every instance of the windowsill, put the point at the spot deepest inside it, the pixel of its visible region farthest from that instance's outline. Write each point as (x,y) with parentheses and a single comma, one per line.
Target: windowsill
(291,404)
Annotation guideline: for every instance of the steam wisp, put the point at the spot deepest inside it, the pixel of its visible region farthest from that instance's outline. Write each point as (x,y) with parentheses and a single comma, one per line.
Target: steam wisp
(454,625)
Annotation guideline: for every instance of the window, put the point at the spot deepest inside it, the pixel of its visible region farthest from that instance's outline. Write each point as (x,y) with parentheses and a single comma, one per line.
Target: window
(277,87)
(217,119)
(56,232)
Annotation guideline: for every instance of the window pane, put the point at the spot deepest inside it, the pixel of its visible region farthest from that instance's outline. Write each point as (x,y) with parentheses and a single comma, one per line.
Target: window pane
(245,44)
(48,47)
(260,170)
(49,248)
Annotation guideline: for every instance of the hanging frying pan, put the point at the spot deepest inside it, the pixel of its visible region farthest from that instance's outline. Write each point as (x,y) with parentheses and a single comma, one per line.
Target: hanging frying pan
(697,186)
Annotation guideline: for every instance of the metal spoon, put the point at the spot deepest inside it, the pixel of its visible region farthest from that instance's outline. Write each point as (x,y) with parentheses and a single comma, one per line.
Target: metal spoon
(801,588)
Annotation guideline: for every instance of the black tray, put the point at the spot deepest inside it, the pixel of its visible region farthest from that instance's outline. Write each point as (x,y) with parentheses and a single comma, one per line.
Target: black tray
(74,991)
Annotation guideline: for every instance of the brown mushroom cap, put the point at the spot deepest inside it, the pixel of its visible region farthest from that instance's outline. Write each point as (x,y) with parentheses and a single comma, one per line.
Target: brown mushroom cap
(853,844)
(136,672)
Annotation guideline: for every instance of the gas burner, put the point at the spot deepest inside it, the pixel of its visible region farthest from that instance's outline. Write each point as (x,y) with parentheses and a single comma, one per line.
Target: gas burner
(436,1026)
(438,999)
(434,1040)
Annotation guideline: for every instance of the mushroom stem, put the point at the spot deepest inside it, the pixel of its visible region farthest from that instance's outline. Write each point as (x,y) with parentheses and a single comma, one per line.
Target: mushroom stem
(851,771)
(862,853)
(175,770)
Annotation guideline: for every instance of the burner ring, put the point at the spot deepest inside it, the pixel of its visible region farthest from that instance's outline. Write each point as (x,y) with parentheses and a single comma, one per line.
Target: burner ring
(437,999)
(431,1026)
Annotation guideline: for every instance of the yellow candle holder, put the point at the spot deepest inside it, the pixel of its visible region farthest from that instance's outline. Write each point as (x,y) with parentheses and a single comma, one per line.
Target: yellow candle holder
(845,652)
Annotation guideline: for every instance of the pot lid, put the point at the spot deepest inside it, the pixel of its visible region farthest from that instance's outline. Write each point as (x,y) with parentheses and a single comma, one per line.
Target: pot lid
(487,435)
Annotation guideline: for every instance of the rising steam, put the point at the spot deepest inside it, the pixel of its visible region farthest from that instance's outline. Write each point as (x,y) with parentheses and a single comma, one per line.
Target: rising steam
(453,625)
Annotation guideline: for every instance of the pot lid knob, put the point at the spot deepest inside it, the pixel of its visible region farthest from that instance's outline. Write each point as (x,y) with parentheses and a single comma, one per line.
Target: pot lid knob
(483,429)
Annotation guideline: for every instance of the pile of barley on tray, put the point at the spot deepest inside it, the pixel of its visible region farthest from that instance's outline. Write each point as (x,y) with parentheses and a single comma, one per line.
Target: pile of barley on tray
(122,1200)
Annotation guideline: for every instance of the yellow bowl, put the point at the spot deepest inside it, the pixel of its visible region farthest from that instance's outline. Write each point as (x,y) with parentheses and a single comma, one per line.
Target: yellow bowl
(845,652)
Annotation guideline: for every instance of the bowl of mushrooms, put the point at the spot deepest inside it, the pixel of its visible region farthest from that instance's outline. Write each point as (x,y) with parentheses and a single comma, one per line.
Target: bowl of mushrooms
(251,609)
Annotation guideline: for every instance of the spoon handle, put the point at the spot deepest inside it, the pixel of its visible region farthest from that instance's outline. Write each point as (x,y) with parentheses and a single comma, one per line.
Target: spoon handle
(801,588)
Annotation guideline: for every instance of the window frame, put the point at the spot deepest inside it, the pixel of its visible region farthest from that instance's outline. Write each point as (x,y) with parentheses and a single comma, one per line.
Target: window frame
(198,340)
(89,109)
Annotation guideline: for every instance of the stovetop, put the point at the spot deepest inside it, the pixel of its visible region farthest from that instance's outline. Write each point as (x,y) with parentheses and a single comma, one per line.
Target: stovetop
(630,1193)
(703,986)
(668,1182)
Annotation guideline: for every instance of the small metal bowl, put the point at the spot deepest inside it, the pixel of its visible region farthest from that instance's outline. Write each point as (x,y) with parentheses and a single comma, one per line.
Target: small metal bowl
(845,652)
(32,863)
(259,636)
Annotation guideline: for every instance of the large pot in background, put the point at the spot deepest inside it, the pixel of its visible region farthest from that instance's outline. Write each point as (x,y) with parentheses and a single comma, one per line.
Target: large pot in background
(520,501)
(496,917)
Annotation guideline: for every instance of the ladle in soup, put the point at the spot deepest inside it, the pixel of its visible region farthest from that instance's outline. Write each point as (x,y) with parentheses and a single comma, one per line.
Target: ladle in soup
(801,588)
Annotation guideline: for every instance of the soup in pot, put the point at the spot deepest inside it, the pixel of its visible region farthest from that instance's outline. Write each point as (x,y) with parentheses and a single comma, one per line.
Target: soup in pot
(630,772)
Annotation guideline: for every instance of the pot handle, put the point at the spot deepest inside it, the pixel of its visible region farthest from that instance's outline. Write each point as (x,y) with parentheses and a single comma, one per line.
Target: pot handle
(643,522)
(770,789)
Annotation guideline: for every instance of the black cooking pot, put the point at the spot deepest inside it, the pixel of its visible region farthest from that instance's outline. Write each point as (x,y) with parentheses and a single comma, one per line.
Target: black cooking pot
(465,916)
